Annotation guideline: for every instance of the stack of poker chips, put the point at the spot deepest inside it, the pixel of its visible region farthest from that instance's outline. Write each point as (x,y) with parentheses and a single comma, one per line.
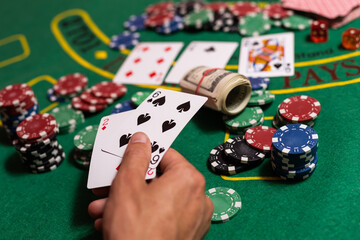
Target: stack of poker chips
(17,102)
(67,118)
(84,143)
(293,152)
(67,87)
(249,117)
(261,98)
(98,97)
(37,145)
(298,109)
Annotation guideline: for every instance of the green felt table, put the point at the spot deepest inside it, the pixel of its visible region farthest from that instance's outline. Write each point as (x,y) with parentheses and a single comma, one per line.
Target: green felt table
(43,40)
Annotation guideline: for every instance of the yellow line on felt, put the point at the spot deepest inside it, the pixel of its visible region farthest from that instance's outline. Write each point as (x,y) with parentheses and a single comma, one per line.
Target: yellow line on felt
(48,78)
(24,44)
(48,108)
(249,178)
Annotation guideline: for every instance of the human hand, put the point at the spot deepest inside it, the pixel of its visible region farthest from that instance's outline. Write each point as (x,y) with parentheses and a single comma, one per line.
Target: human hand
(172,206)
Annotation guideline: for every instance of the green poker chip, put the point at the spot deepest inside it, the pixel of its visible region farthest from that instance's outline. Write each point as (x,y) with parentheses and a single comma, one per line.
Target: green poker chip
(257,93)
(227,203)
(249,117)
(262,99)
(67,118)
(84,140)
(138,97)
(254,24)
(198,19)
(296,22)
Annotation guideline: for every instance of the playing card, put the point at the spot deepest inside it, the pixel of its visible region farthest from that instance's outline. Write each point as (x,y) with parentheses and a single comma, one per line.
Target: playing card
(209,54)
(148,63)
(267,56)
(161,116)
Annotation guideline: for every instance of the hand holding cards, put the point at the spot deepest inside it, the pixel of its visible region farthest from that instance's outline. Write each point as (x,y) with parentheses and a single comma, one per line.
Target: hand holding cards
(161,116)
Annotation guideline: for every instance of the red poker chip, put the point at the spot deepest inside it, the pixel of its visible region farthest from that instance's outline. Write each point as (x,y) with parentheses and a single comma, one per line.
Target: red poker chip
(276,11)
(90,98)
(42,139)
(299,109)
(260,137)
(37,126)
(160,7)
(160,19)
(14,95)
(108,90)
(242,9)
(218,7)
(83,106)
(71,84)
(22,108)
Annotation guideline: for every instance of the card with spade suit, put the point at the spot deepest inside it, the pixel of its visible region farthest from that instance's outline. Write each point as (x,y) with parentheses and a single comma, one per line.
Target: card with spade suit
(199,53)
(161,116)
(148,63)
(267,56)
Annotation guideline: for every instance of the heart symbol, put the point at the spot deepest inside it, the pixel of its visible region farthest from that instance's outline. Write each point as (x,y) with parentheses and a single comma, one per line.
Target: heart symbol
(161,150)
(167,125)
(277,65)
(124,139)
(159,102)
(183,107)
(143,118)
(154,147)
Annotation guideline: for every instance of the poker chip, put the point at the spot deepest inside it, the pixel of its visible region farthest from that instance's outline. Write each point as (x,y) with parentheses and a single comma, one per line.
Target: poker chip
(242,9)
(254,24)
(160,7)
(226,22)
(85,107)
(71,84)
(259,83)
(159,19)
(14,95)
(37,126)
(175,25)
(249,117)
(124,40)
(227,203)
(84,140)
(90,98)
(53,97)
(217,7)
(108,89)
(185,7)
(260,137)
(261,99)
(135,23)
(67,118)
(138,97)
(199,19)
(296,22)
(276,11)
(238,150)
(122,107)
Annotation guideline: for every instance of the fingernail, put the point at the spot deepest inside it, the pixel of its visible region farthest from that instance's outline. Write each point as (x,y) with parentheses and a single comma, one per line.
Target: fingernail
(138,138)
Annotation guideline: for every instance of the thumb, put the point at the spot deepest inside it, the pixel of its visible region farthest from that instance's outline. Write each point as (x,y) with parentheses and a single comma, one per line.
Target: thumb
(136,158)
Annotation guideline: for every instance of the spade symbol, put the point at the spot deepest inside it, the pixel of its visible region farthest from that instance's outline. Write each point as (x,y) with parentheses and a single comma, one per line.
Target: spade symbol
(149,100)
(167,125)
(143,118)
(161,150)
(255,43)
(183,107)
(124,139)
(154,147)
(159,101)
(277,65)
(210,49)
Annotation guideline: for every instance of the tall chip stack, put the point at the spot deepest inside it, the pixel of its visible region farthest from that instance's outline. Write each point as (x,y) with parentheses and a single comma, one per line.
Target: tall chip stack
(17,102)
(67,87)
(37,145)
(84,143)
(294,152)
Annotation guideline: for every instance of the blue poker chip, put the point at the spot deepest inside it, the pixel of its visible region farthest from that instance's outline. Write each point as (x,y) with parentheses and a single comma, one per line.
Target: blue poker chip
(295,139)
(135,23)
(53,97)
(259,83)
(122,107)
(175,25)
(124,40)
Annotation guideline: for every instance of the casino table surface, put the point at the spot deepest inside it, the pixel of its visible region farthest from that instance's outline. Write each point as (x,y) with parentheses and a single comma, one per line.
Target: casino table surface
(42,40)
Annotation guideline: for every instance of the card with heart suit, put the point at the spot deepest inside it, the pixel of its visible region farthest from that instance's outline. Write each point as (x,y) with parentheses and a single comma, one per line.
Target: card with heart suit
(209,54)
(161,116)
(267,56)
(148,63)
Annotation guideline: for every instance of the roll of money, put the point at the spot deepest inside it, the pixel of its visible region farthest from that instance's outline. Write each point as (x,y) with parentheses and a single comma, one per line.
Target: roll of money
(227,92)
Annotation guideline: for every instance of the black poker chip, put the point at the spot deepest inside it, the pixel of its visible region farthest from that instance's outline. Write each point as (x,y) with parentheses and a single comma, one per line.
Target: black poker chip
(238,151)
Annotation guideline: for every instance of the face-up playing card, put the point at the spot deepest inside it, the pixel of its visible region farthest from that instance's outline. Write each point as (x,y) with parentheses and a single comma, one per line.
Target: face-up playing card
(161,116)
(148,63)
(267,56)
(209,54)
